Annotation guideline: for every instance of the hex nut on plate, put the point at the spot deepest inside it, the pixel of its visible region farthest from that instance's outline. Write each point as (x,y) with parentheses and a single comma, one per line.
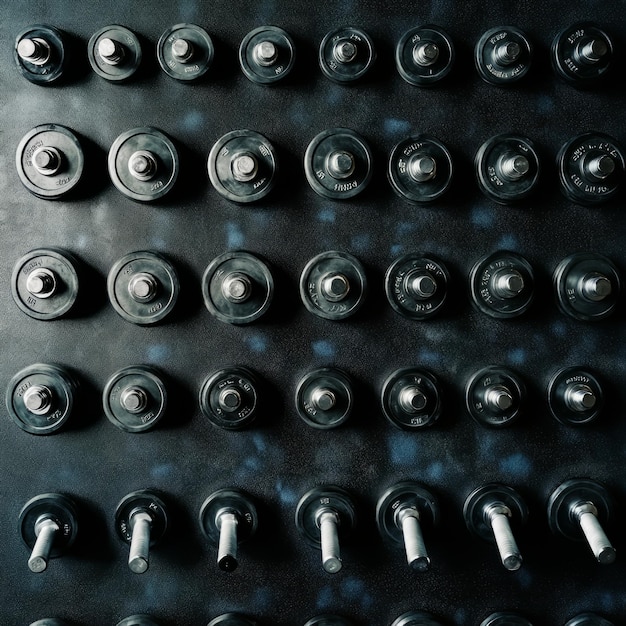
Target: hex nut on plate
(229,398)
(40,54)
(237,287)
(40,398)
(417,286)
(587,286)
(582,54)
(50,161)
(502,284)
(333,285)
(494,396)
(267,55)
(346,54)
(424,55)
(338,164)
(143,164)
(135,398)
(411,398)
(114,53)
(44,283)
(185,52)
(143,287)
(503,55)
(325,398)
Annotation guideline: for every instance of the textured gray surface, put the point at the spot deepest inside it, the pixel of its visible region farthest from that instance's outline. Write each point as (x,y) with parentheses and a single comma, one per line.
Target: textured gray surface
(280,579)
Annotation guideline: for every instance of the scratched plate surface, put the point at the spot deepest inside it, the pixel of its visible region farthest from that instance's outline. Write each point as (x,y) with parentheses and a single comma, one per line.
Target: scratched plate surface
(280,580)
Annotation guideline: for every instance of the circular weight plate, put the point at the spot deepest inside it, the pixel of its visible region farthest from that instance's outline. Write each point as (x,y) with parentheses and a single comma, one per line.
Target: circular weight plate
(346,54)
(163,158)
(328,620)
(417,286)
(237,287)
(482,498)
(406,494)
(327,497)
(64,160)
(229,398)
(337,267)
(138,620)
(485,290)
(588,619)
(147,502)
(56,398)
(424,55)
(232,619)
(267,55)
(505,618)
(420,169)
(570,297)
(195,56)
(567,495)
(228,501)
(416,618)
(569,380)
(51,275)
(48,70)
(137,265)
(507,168)
(49,621)
(127,49)
(353,169)
(242,166)
(324,398)
(491,55)
(494,379)
(54,506)
(578,155)
(569,60)
(411,398)
(149,399)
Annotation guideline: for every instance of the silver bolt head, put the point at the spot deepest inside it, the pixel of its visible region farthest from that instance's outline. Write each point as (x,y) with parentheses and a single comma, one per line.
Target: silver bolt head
(134,399)
(602,166)
(412,399)
(499,398)
(230,399)
(182,50)
(236,287)
(38,399)
(340,164)
(425,53)
(345,51)
(47,160)
(335,287)
(143,287)
(142,165)
(265,53)
(323,399)
(36,50)
(594,50)
(41,283)
(509,284)
(596,287)
(244,167)
(508,52)
(580,398)
(422,168)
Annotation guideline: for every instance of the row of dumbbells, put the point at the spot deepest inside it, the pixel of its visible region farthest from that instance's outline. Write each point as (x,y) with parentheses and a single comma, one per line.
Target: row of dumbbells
(581,54)
(242,165)
(411,618)
(577,510)
(238,287)
(42,397)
